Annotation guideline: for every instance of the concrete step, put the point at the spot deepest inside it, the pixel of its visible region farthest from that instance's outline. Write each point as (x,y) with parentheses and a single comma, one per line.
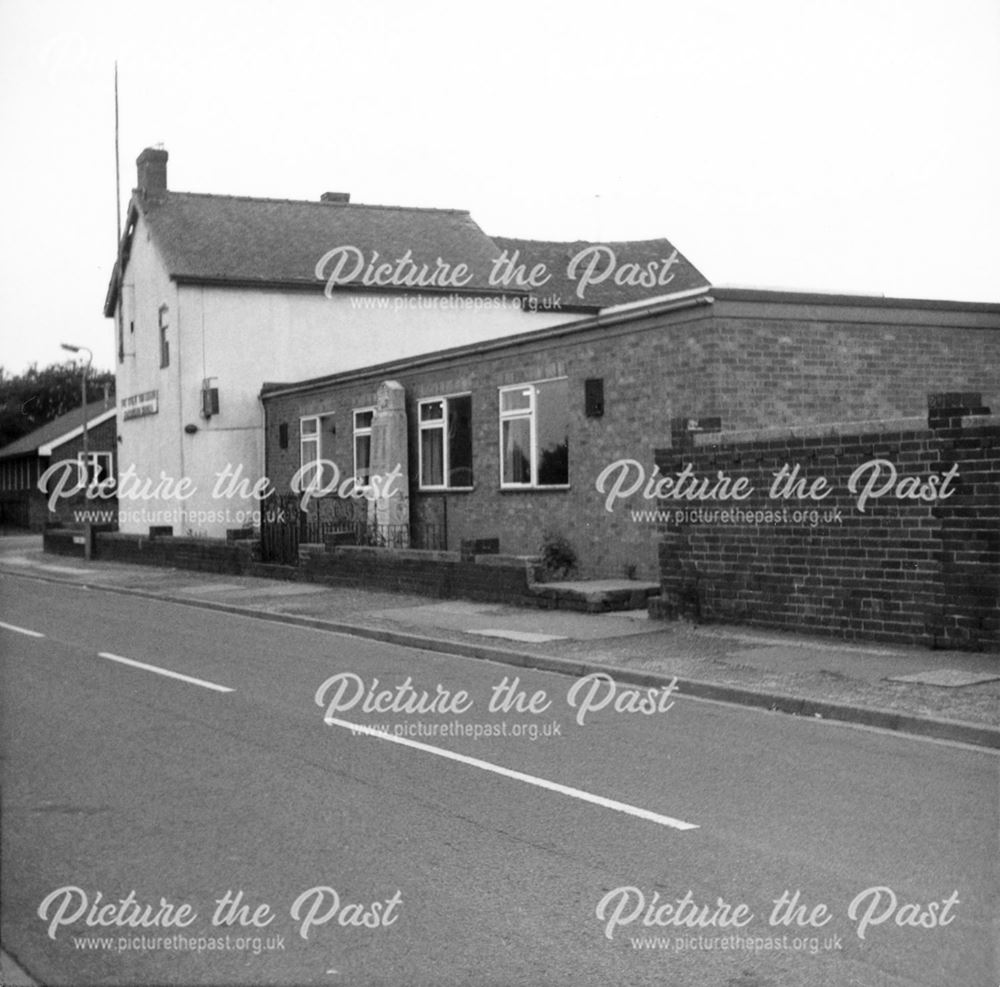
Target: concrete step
(595,595)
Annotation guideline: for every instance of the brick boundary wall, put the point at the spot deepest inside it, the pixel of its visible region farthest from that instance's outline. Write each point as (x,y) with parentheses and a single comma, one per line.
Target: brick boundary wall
(64,541)
(904,570)
(200,554)
(438,574)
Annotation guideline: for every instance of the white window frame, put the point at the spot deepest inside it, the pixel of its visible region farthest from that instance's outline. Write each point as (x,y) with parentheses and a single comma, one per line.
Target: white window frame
(313,440)
(310,438)
(531,414)
(442,425)
(95,457)
(362,481)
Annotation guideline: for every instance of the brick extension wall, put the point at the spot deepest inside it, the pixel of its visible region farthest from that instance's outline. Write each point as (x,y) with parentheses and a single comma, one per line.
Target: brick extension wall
(903,570)
(750,360)
(103,510)
(28,507)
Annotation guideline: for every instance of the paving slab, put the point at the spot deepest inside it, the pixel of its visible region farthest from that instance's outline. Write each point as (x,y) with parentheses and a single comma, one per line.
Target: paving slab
(636,615)
(896,666)
(20,560)
(281,590)
(526,637)
(201,589)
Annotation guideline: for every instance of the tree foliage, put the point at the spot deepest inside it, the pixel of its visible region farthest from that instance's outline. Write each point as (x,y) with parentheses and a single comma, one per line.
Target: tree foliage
(29,400)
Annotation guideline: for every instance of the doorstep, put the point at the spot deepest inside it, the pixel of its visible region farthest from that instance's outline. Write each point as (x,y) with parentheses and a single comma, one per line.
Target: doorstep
(595,595)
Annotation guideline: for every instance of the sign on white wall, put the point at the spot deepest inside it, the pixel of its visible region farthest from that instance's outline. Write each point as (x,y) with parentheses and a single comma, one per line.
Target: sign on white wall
(139,405)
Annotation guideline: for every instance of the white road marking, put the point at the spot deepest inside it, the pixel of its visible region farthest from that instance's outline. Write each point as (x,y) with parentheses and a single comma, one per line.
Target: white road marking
(552,786)
(21,630)
(164,671)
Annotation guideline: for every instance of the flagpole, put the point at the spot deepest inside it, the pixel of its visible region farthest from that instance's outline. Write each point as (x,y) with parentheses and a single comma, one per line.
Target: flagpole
(118,242)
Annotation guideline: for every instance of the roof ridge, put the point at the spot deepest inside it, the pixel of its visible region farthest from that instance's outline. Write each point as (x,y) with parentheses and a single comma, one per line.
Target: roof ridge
(304,202)
(525,239)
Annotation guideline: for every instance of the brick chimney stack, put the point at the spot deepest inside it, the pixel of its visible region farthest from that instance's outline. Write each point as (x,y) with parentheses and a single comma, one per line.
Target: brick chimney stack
(151,167)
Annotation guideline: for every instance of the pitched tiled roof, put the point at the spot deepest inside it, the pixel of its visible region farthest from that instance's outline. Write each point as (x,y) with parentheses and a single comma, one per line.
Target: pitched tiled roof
(271,242)
(279,241)
(622,261)
(53,430)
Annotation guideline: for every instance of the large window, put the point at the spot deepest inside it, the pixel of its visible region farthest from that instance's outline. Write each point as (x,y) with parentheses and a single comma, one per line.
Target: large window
(363,445)
(534,434)
(314,438)
(446,443)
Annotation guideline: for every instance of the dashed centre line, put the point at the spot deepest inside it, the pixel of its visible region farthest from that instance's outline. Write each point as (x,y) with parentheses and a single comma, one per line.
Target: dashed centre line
(21,630)
(165,671)
(552,786)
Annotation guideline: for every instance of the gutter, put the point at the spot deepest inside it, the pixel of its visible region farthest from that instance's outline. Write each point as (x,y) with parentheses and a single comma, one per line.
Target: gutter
(46,450)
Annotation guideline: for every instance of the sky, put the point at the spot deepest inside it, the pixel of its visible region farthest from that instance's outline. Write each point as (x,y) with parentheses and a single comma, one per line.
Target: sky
(849,146)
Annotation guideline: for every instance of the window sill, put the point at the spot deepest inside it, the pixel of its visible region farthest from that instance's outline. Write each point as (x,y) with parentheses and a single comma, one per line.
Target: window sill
(553,489)
(445,490)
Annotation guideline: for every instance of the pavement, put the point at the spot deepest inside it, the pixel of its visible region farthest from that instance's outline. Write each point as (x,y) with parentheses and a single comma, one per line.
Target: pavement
(947,695)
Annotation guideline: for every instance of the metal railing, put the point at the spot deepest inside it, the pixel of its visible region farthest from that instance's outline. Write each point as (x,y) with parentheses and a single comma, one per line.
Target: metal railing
(284,526)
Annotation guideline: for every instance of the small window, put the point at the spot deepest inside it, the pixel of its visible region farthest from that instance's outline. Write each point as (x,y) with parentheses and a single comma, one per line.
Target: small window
(164,342)
(283,435)
(95,467)
(446,443)
(363,418)
(534,435)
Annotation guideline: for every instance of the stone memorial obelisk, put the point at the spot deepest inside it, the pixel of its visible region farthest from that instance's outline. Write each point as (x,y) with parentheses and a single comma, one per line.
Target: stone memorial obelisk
(390,515)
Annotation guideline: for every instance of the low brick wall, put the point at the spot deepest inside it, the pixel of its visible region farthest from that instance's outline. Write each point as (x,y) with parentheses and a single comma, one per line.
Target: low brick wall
(907,570)
(440,574)
(72,540)
(201,554)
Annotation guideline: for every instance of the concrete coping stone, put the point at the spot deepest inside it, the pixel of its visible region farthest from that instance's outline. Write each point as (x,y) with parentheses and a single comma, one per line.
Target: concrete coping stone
(507,561)
(518,562)
(168,539)
(415,554)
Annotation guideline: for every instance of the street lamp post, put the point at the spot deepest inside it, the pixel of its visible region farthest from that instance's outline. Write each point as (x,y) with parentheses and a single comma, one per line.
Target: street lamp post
(83,394)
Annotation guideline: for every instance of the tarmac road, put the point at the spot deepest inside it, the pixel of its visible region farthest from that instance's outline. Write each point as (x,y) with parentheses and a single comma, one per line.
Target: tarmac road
(500,860)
